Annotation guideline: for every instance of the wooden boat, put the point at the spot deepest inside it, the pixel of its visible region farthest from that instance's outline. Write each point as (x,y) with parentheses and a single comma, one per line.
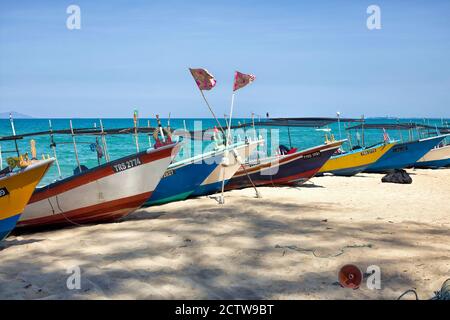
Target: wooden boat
(16,189)
(234,155)
(295,167)
(355,161)
(404,154)
(104,193)
(182,178)
(438,157)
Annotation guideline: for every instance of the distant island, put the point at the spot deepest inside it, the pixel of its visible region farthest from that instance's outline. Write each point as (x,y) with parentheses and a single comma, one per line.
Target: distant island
(16,115)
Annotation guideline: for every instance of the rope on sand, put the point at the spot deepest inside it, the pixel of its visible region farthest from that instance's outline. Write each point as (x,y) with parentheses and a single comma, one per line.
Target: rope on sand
(313,251)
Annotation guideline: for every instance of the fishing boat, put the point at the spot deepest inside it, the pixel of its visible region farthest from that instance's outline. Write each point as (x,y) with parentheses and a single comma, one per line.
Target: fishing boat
(234,155)
(438,157)
(355,161)
(101,194)
(16,189)
(106,192)
(183,177)
(403,154)
(292,168)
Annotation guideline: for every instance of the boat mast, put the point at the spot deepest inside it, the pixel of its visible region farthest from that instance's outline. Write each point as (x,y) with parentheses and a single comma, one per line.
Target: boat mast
(11,121)
(362,131)
(160,128)
(75,145)
(135,121)
(349,137)
(53,146)
(168,123)
(148,135)
(339,124)
(105,146)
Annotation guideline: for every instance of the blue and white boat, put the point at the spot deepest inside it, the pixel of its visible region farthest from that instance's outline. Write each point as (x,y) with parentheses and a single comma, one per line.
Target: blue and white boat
(405,154)
(235,154)
(438,157)
(183,177)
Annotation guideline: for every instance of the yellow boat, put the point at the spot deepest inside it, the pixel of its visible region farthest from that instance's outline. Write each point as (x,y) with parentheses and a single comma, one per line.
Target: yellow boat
(355,161)
(16,189)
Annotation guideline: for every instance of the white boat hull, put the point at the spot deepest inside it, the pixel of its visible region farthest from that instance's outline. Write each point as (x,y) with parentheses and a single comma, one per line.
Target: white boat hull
(106,193)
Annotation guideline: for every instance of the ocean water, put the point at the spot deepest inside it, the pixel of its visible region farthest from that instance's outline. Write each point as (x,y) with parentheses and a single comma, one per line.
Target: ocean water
(122,145)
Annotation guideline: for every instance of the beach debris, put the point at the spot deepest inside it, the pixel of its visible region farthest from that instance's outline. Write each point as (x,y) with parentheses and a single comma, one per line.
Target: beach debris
(397,176)
(442,294)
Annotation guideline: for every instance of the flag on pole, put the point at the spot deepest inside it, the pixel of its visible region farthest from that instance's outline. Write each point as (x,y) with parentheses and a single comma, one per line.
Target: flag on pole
(204,79)
(242,79)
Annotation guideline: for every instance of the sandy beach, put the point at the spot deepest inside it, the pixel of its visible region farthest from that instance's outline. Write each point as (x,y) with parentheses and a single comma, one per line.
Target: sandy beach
(289,244)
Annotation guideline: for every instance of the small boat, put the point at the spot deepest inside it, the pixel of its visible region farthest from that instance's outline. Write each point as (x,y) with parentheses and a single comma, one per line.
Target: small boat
(233,155)
(404,154)
(182,178)
(294,167)
(355,161)
(102,194)
(438,157)
(16,189)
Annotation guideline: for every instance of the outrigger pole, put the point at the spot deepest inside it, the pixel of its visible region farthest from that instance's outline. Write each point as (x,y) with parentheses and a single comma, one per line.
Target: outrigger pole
(75,146)
(53,146)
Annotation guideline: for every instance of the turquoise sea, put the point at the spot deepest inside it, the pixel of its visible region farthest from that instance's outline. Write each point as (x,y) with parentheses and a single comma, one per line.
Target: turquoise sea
(122,145)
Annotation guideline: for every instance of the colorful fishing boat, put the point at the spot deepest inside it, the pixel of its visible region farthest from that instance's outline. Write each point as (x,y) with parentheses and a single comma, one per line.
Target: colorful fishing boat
(182,178)
(404,154)
(16,189)
(355,161)
(438,157)
(293,168)
(234,155)
(101,194)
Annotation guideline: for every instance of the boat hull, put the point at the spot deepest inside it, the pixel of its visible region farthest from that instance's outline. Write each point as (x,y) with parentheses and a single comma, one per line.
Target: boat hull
(16,190)
(102,194)
(181,180)
(356,161)
(435,158)
(404,155)
(291,169)
(223,173)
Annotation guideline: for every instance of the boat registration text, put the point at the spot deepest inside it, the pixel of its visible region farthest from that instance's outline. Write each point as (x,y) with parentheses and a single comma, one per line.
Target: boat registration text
(311,155)
(122,166)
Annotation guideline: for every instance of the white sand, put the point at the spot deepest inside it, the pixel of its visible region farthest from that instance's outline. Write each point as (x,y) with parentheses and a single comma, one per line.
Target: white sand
(199,249)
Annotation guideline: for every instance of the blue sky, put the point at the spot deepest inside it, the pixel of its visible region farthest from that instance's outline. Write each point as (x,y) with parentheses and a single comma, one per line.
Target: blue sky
(311,58)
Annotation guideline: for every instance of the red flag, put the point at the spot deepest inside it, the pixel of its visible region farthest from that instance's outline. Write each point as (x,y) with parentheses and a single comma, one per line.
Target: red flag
(242,79)
(203,78)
